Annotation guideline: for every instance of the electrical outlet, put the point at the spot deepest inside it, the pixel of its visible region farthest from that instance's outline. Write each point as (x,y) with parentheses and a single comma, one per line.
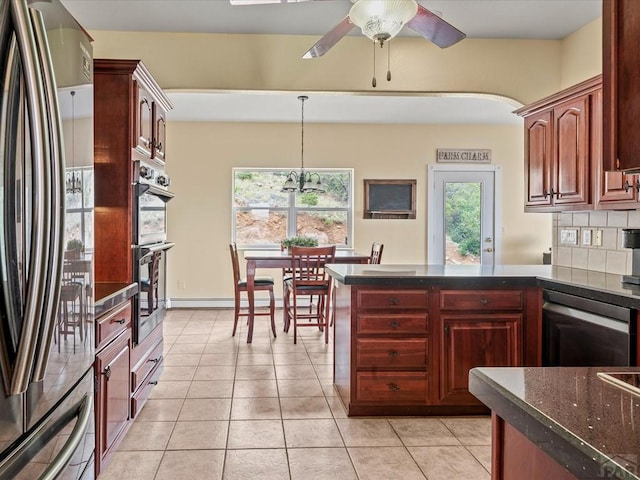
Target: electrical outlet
(182,284)
(597,238)
(586,237)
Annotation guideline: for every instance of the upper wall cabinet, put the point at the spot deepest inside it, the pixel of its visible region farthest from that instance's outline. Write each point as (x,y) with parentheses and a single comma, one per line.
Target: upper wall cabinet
(621,84)
(151,117)
(562,139)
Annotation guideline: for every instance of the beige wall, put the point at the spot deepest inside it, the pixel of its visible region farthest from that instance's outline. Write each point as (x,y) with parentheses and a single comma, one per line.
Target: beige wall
(582,54)
(202,156)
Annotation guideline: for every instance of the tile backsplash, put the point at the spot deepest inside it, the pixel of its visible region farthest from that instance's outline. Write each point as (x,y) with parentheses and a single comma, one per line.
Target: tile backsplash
(610,257)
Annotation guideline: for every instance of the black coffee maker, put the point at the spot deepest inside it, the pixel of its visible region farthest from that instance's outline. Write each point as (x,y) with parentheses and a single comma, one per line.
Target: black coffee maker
(631,239)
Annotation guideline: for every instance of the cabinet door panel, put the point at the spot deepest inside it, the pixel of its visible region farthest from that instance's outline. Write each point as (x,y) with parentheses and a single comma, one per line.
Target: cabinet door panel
(470,341)
(144,122)
(160,133)
(538,153)
(114,394)
(621,82)
(572,151)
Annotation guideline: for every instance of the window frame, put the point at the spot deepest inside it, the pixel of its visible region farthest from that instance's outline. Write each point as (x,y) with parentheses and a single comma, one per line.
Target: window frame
(292,210)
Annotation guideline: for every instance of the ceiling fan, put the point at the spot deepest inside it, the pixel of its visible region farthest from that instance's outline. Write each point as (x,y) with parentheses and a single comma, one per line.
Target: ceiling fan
(380,20)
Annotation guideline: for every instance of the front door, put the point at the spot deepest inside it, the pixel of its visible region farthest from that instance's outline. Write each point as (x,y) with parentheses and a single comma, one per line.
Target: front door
(462,215)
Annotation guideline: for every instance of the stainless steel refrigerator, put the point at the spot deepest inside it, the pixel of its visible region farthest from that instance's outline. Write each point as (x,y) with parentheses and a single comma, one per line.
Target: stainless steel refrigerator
(46,238)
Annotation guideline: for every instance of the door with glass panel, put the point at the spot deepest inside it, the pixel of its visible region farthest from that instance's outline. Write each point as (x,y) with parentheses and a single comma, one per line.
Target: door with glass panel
(462,215)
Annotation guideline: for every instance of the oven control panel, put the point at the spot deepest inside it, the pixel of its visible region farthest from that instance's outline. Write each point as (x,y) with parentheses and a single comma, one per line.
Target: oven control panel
(149,175)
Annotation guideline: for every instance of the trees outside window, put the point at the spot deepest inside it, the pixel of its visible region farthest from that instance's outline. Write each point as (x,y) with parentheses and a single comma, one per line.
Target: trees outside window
(263,215)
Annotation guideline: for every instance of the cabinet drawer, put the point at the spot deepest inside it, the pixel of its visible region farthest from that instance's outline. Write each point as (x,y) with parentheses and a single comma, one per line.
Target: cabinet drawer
(112,323)
(405,353)
(145,366)
(398,323)
(481,300)
(392,299)
(391,387)
(137,400)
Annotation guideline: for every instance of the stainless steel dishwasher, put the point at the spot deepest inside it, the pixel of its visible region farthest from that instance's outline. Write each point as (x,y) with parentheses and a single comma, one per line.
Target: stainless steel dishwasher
(578,331)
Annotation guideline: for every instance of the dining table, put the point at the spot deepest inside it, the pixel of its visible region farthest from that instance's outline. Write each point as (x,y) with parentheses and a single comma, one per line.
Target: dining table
(282,259)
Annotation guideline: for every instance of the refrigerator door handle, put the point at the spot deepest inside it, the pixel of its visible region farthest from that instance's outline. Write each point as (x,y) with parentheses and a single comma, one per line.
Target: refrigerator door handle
(36,107)
(54,203)
(83,411)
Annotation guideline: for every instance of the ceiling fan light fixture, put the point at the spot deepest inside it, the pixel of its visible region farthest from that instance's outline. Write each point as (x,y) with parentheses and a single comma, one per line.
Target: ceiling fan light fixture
(381,20)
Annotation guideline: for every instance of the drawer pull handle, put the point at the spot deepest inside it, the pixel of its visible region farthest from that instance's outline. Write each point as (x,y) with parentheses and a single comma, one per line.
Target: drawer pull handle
(394,354)
(394,324)
(154,360)
(393,387)
(394,300)
(155,382)
(484,301)
(107,372)
(121,321)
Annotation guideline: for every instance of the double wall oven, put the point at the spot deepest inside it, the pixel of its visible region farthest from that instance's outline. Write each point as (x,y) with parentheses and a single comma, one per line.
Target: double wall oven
(150,230)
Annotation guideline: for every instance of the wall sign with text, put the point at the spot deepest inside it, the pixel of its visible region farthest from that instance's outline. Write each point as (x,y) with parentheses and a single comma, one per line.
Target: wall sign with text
(462,155)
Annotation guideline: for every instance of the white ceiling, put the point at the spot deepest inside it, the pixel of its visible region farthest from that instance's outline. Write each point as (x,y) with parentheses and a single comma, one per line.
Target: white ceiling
(542,19)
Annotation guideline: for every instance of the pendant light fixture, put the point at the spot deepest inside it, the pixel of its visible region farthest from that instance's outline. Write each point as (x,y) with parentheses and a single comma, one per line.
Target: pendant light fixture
(302,181)
(73,182)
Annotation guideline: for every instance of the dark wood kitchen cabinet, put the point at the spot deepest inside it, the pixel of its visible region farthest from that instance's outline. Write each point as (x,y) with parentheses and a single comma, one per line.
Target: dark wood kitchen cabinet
(129,125)
(562,140)
(478,328)
(621,83)
(151,121)
(113,397)
(408,351)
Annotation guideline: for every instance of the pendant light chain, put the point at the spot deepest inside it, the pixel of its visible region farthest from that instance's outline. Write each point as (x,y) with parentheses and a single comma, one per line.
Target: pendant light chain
(373,80)
(388,61)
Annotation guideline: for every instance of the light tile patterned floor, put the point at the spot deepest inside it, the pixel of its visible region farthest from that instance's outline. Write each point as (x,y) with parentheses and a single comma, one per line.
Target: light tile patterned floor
(225,409)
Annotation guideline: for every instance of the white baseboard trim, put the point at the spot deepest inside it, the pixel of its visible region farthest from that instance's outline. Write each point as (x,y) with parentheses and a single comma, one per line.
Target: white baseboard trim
(215,303)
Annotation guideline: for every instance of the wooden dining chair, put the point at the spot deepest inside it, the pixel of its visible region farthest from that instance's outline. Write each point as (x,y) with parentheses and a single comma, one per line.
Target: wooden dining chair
(376,253)
(240,285)
(310,279)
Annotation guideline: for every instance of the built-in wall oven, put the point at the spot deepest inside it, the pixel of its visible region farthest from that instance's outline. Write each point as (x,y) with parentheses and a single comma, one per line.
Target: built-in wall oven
(150,231)
(578,331)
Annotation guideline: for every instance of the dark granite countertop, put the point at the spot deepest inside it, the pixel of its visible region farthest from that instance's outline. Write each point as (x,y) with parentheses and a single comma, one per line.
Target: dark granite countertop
(110,294)
(595,285)
(584,423)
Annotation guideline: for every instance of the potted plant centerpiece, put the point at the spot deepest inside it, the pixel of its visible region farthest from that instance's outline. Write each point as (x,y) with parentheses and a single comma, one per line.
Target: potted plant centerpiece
(74,248)
(287,243)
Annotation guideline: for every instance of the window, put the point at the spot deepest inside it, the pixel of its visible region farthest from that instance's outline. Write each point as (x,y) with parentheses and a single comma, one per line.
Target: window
(79,211)
(263,215)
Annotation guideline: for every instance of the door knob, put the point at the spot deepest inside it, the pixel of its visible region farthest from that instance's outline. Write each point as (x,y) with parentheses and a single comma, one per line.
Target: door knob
(488,249)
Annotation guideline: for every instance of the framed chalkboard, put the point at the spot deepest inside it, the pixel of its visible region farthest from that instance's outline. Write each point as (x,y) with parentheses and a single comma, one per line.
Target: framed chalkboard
(389,199)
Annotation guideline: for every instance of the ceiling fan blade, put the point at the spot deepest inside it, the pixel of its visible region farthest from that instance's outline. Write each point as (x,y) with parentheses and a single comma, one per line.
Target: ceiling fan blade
(434,28)
(330,38)
(261,2)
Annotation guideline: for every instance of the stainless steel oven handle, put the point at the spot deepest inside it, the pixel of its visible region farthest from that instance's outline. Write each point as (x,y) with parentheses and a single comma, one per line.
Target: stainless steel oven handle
(36,107)
(78,433)
(54,208)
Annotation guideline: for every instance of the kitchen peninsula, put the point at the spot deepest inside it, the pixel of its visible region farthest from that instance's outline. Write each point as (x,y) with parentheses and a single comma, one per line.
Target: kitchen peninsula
(406,336)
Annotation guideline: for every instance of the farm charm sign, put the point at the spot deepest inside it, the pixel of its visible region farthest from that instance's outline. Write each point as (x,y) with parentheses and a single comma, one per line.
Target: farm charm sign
(461,155)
